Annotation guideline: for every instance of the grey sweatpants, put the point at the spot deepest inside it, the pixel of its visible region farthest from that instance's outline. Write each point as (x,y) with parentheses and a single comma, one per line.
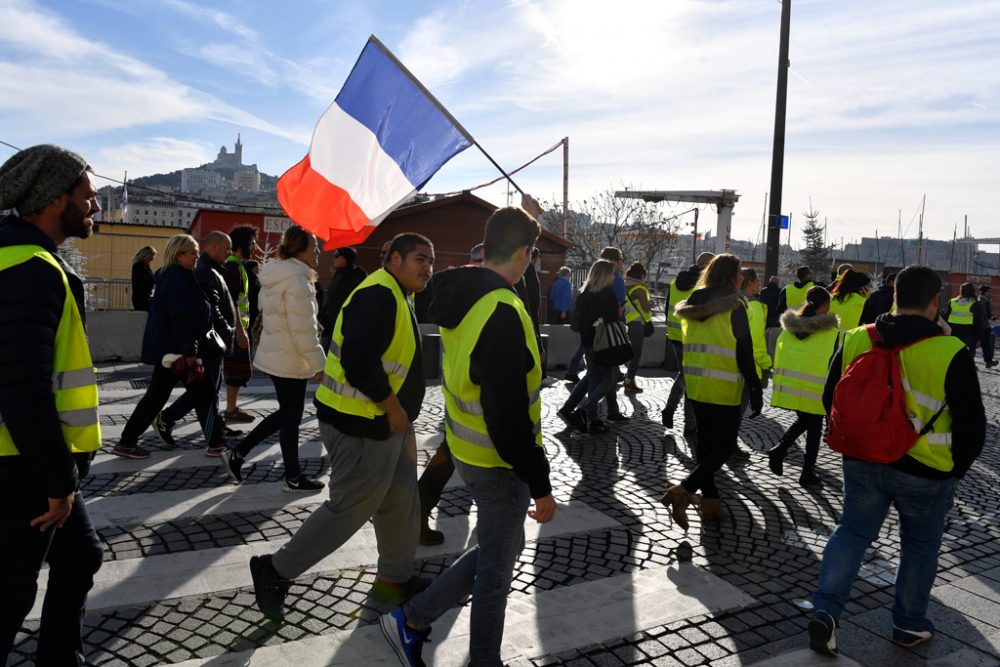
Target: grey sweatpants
(369,479)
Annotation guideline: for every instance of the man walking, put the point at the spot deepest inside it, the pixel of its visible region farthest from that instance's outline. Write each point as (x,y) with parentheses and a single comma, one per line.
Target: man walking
(492,379)
(371,393)
(49,426)
(985,329)
(236,368)
(939,378)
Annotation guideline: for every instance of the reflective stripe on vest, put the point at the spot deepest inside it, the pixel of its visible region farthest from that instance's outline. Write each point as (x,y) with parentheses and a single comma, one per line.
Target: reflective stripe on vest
(711,374)
(631,312)
(796,296)
(243,302)
(800,369)
(961,313)
(334,390)
(673,322)
(465,424)
(924,366)
(74,383)
(848,311)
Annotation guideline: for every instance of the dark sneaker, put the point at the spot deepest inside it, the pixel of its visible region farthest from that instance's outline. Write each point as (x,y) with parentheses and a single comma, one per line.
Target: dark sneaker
(618,418)
(573,419)
(404,640)
(303,483)
(668,419)
(631,387)
(164,430)
(913,637)
(597,426)
(580,420)
(810,478)
(233,463)
(739,455)
(430,537)
(130,452)
(397,594)
(269,588)
(215,452)
(230,432)
(823,634)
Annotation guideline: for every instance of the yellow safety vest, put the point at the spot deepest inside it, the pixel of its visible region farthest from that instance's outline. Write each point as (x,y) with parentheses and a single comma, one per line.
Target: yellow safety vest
(757,316)
(711,374)
(243,303)
(848,311)
(673,322)
(961,313)
(800,370)
(465,424)
(924,367)
(74,382)
(335,391)
(632,312)
(796,296)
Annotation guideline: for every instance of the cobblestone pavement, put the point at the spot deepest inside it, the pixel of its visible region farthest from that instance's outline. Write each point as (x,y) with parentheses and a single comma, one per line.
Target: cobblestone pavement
(619,584)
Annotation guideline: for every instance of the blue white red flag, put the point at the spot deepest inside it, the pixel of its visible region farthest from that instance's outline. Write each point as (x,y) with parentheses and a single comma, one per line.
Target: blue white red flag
(378,143)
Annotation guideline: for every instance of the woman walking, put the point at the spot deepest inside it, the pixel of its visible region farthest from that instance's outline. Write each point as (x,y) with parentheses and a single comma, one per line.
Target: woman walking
(638,316)
(178,326)
(802,357)
(289,351)
(718,361)
(142,277)
(848,298)
(597,301)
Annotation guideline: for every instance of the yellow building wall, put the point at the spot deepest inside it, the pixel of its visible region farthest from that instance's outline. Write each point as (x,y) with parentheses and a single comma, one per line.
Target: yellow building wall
(108,254)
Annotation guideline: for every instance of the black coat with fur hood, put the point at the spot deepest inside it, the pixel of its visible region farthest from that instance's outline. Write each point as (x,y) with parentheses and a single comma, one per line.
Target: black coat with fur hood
(706,302)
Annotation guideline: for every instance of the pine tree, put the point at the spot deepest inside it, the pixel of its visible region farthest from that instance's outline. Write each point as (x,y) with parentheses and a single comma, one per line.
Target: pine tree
(816,254)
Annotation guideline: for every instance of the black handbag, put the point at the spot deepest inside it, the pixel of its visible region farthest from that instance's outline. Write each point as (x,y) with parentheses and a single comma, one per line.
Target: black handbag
(213,342)
(611,343)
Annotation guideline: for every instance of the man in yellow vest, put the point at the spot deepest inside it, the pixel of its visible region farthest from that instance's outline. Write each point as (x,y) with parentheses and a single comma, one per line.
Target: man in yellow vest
(49,427)
(938,375)
(368,399)
(237,370)
(492,379)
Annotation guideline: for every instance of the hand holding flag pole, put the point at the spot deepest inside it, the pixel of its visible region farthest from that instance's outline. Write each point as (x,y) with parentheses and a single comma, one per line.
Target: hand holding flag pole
(380,141)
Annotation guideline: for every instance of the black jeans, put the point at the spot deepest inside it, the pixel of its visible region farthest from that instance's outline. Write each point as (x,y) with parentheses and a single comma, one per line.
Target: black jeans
(812,426)
(431,483)
(203,395)
(986,342)
(718,428)
(188,400)
(73,553)
(291,393)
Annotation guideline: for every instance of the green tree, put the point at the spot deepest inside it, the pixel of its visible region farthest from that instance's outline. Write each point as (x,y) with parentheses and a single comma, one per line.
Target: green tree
(815,254)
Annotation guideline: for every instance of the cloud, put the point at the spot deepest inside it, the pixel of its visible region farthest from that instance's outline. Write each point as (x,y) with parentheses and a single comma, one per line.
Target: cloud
(151,156)
(223,20)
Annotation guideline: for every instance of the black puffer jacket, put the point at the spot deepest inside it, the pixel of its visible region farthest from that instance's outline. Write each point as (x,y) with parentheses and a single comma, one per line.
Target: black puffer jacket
(179,316)
(32,296)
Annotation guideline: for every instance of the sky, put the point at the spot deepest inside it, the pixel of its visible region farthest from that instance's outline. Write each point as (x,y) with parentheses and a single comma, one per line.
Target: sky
(888,101)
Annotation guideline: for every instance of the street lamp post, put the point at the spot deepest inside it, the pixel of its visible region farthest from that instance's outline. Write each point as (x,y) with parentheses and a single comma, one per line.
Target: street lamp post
(778,153)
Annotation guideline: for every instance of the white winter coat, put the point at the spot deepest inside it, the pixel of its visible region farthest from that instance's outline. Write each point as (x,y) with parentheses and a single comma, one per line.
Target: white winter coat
(289,340)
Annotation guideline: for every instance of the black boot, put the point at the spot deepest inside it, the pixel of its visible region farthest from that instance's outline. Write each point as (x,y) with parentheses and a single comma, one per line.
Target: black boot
(776,457)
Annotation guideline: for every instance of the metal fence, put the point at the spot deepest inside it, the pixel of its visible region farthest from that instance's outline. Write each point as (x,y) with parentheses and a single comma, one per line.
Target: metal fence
(115,294)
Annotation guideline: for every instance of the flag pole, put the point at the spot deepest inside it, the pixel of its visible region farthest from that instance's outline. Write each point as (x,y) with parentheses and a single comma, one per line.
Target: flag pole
(499,168)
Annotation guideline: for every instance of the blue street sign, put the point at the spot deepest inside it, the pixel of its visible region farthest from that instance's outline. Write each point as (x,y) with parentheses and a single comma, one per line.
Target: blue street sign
(783,222)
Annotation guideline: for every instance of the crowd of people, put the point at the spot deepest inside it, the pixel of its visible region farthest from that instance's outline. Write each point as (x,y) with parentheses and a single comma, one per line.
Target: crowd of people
(211,320)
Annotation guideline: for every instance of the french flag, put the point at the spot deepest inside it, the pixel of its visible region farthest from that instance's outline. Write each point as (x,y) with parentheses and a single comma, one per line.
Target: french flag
(378,143)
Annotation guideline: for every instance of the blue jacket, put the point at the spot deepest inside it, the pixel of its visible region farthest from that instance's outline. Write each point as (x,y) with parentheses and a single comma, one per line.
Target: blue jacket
(561,295)
(179,316)
(618,287)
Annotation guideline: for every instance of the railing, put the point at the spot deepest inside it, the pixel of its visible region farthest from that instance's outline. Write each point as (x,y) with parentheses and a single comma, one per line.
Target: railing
(115,294)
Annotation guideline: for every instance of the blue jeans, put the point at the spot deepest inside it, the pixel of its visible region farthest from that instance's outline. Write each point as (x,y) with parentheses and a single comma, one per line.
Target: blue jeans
(922,504)
(637,337)
(595,385)
(486,569)
(574,364)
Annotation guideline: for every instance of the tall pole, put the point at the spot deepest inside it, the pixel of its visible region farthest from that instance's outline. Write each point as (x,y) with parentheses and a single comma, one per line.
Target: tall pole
(778,153)
(565,182)
(694,239)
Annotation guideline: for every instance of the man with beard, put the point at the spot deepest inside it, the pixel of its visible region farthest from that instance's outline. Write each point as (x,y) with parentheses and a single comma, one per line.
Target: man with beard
(49,427)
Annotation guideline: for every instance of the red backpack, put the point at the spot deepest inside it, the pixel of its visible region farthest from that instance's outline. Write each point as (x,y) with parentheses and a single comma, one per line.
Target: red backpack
(869,419)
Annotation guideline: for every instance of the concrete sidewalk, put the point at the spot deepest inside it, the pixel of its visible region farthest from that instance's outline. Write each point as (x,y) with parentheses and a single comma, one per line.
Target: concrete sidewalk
(611,582)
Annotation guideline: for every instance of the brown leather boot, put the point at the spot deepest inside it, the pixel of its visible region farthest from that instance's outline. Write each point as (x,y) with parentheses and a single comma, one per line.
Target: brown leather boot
(713,510)
(677,499)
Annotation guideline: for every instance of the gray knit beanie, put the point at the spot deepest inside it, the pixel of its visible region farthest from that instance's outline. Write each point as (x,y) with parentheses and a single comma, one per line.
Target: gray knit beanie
(38,176)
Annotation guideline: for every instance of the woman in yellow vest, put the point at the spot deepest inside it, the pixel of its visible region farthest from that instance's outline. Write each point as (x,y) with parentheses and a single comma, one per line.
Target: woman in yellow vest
(961,316)
(638,314)
(849,296)
(718,361)
(802,357)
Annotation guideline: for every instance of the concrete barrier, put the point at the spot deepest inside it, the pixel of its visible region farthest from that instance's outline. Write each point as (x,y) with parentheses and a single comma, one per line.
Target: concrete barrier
(115,335)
